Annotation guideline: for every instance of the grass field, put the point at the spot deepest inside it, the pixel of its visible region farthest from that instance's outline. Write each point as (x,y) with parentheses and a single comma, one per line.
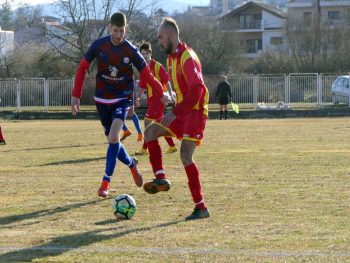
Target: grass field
(278,191)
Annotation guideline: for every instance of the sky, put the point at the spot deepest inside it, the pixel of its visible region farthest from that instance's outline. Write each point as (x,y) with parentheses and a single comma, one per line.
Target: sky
(34,2)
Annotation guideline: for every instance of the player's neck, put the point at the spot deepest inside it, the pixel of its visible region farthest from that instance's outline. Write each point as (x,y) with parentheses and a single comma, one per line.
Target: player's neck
(115,43)
(176,45)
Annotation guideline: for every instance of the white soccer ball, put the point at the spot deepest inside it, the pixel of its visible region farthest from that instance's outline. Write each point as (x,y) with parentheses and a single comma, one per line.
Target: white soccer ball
(124,206)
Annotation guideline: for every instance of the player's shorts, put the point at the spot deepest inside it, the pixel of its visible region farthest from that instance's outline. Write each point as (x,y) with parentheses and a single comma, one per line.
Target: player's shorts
(109,112)
(155,108)
(189,127)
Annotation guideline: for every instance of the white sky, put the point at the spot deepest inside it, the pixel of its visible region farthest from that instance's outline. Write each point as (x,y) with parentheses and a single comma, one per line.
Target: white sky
(34,2)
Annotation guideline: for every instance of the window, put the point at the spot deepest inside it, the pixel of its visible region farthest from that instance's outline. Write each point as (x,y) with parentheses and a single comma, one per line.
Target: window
(275,41)
(307,15)
(250,21)
(333,15)
(253,45)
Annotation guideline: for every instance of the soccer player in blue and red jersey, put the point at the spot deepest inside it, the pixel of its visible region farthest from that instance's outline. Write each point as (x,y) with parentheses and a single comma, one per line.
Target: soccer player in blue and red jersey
(186,121)
(115,57)
(155,108)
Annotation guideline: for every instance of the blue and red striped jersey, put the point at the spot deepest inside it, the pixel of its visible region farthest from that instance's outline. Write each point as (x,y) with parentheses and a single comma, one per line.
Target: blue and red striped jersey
(115,77)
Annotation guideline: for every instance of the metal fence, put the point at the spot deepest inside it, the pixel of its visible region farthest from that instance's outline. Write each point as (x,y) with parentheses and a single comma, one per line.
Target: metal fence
(308,88)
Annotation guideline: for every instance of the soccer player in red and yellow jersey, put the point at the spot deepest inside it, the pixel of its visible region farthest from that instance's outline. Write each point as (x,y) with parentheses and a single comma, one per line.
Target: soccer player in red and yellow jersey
(186,121)
(155,108)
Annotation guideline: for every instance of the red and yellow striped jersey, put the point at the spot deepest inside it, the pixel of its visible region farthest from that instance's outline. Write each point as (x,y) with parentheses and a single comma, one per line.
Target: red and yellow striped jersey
(185,71)
(159,73)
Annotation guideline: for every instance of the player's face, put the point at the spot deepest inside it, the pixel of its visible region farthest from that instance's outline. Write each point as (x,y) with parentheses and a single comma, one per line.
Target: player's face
(164,40)
(117,33)
(146,55)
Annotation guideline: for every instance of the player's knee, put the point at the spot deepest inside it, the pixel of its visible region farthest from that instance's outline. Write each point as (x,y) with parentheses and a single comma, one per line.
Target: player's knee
(150,133)
(186,157)
(113,139)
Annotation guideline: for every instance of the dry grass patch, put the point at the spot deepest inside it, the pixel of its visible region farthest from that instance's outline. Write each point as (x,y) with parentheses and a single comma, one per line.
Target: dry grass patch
(278,190)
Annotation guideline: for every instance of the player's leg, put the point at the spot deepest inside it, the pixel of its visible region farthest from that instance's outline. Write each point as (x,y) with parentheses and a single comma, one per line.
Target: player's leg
(172,148)
(154,112)
(194,125)
(126,132)
(225,111)
(221,111)
(123,155)
(137,125)
(2,138)
(104,112)
(152,133)
(143,149)
(187,149)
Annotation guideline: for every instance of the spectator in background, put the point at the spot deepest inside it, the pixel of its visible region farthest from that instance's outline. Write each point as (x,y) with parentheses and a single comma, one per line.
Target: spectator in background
(224,96)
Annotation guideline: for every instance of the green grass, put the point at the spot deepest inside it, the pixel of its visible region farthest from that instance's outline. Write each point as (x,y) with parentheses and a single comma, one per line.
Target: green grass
(278,191)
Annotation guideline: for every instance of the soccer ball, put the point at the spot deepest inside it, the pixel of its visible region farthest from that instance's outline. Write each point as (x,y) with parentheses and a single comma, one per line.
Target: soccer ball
(124,206)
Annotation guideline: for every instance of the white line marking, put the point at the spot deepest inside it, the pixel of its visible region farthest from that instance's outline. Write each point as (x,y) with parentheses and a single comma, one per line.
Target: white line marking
(178,251)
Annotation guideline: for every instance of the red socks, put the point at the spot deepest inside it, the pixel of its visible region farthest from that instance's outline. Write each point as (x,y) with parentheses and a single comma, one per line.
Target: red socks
(1,136)
(155,157)
(144,145)
(195,185)
(170,141)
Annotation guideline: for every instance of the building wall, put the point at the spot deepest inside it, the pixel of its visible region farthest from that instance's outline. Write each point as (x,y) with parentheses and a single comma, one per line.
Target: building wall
(268,45)
(271,20)
(7,43)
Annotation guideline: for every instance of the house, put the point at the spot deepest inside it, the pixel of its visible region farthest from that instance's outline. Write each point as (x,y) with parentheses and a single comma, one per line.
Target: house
(6,43)
(260,27)
(335,12)
(47,31)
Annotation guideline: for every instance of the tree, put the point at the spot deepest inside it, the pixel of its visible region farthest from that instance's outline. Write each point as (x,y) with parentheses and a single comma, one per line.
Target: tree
(317,45)
(34,60)
(217,50)
(6,16)
(27,16)
(88,20)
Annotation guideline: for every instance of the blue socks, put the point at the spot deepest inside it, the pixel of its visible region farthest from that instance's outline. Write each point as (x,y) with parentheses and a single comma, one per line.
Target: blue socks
(124,157)
(136,121)
(111,159)
(114,151)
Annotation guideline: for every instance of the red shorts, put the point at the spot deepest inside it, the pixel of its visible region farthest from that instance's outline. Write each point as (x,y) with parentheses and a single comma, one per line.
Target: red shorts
(189,127)
(155,108)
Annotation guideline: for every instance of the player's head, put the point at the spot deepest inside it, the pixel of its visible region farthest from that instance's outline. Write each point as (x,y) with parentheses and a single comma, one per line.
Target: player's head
(117,27)
(168,35)
(223,78)
(146,51)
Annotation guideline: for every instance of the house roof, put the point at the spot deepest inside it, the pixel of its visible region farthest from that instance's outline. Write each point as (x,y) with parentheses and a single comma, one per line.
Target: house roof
(264,6)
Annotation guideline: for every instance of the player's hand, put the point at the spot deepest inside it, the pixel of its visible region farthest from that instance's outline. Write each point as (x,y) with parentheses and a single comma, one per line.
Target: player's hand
(166,98)
(168,119)
(75,105)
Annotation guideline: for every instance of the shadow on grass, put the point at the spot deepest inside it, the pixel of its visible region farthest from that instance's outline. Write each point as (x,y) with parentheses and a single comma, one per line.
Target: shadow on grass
(17,218)
(85,160)
(53,147)
(59,246)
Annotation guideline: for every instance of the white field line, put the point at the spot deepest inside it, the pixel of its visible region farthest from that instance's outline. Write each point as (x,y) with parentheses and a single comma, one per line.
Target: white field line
(181,251)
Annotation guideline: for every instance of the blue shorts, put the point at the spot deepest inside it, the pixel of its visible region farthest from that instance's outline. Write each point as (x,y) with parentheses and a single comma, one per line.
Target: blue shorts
(109,112)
